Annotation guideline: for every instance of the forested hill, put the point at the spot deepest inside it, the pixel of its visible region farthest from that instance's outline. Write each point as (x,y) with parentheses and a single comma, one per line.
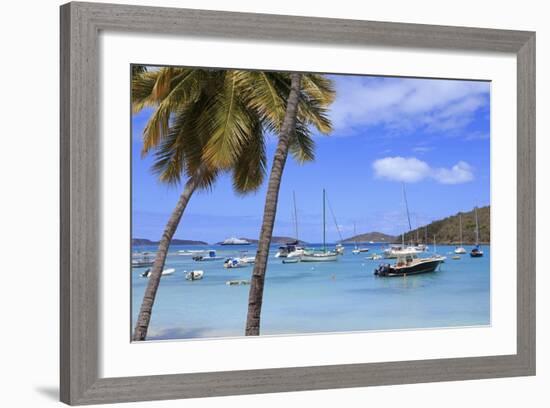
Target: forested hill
(370,236)
(447,230)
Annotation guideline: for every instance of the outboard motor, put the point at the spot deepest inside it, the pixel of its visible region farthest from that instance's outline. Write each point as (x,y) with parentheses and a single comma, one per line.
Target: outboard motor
(382,270)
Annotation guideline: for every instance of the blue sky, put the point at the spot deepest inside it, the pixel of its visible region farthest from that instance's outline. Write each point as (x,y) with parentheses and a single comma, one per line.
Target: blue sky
(430,134)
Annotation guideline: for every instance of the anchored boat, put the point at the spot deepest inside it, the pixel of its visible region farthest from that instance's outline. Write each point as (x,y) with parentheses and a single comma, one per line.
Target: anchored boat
(324,255)
(476,252)
(147,273)
(194,275)
(460,249)
(408,265)
(211,256)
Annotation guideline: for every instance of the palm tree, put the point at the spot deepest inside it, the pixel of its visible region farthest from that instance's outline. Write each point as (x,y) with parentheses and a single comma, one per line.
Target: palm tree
(209,121)
(194,109)
(294,122)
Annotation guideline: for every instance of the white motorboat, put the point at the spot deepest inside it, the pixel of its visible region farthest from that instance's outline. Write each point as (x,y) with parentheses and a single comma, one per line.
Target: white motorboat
(143,262)
(340,249)
(210,256)
(191,252)
(289,248)
(231,263)
(165,272)
(249,259)
(194,275)
(397,250)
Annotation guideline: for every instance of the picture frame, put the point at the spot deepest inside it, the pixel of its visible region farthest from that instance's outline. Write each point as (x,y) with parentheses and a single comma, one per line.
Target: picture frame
(81,24)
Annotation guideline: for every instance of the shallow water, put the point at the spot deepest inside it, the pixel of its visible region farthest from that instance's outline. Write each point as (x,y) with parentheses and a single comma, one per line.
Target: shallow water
(315,297)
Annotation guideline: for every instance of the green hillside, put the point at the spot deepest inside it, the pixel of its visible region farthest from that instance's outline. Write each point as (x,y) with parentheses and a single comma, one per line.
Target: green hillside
(446,230)
(370,236)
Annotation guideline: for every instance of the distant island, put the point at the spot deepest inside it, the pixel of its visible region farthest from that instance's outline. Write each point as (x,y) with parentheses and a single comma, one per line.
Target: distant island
(274,240)
(370,236)
(175,241)
(447,230)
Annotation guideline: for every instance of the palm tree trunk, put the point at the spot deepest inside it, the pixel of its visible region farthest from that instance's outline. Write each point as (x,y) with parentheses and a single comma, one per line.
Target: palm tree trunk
(255,296)
(142,325)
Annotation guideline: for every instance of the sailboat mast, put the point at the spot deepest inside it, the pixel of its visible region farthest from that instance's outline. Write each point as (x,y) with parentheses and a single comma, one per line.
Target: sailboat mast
(295,216)
(406,206)
(460,227)
(324,233)
(355,233)
(426,235)
(477,228)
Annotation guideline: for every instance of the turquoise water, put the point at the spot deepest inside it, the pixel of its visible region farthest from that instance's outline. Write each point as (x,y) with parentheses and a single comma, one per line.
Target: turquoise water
(315,297)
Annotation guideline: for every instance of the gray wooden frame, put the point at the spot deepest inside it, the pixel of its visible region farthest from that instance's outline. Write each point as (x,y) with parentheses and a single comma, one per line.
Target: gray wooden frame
(80,192)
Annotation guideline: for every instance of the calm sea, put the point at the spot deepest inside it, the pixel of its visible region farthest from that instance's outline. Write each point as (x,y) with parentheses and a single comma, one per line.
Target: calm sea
(314,297)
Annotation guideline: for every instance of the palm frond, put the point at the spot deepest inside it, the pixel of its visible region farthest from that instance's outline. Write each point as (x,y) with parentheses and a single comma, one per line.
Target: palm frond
(250,169)
(185,88)
(302,145)
(231,123)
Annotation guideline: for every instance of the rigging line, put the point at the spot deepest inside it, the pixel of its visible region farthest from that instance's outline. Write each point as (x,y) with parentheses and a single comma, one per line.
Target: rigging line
(406,206)
(334,218)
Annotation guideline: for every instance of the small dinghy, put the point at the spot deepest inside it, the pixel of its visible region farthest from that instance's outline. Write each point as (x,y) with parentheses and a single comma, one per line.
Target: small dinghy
(374,257)
(168,271)
(194,275)
(237,282)
(291,260)
(249,259)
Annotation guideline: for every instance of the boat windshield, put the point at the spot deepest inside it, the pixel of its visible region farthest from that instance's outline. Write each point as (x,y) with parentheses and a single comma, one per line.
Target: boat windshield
(405,259)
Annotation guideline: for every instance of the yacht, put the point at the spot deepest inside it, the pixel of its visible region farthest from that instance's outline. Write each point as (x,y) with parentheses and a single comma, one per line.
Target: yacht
(235,241)
(289,248)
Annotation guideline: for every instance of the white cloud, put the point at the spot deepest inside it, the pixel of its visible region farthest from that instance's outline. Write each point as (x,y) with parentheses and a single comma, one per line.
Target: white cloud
(459,173)
(412,170)
(409,170)
(406,103)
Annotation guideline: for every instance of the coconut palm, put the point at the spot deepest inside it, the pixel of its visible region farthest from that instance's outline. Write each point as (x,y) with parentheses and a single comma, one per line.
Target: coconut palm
(307,93)
(210,121)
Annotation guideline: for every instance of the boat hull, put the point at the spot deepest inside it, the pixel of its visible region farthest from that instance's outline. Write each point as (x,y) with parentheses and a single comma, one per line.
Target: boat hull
(417,269)
(319,258)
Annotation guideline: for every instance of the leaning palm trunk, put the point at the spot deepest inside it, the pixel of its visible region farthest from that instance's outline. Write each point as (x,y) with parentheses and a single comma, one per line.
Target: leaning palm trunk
(142,325)
(255,297)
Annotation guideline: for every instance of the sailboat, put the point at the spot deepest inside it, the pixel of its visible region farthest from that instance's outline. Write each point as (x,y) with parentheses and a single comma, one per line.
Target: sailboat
(324,255)
(339,247)
(357,250)
(395,251)
(460,249)
(436,255)
(476,252)
(292,249)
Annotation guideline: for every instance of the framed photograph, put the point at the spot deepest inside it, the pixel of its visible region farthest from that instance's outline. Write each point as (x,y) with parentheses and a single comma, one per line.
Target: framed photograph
(261,203)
